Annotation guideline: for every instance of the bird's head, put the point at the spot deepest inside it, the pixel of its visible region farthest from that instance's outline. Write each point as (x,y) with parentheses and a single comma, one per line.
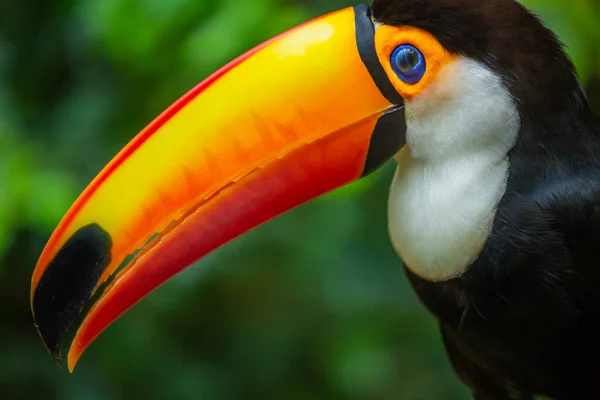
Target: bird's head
(494,49)
(312,109)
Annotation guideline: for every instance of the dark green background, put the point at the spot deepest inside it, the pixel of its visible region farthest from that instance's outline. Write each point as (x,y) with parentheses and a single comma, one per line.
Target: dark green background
(312,305)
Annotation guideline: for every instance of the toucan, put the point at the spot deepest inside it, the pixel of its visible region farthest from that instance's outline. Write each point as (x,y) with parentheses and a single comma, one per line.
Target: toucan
(494,209)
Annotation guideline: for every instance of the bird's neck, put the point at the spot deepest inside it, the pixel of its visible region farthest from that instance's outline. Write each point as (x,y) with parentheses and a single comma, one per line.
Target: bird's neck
(441,214)
(453,171)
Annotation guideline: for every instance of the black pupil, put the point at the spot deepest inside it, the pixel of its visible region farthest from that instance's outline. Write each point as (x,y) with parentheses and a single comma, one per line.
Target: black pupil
(407,59)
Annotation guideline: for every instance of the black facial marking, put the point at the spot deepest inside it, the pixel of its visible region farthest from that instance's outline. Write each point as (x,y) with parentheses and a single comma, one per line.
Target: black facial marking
(388,138)
(365,40)
(68,282)
(389,134)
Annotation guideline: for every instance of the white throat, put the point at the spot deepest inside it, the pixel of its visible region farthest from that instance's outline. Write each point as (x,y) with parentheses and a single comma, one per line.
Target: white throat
(452,173)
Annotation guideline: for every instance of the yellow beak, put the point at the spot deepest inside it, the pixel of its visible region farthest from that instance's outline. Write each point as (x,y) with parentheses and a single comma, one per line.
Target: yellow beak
(298,116)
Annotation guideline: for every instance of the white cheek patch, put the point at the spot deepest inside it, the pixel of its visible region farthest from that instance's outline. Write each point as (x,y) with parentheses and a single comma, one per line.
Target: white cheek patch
(453,171)
(466,108)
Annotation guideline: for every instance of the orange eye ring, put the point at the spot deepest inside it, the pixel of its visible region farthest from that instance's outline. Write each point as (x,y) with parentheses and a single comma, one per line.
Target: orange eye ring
(389,38)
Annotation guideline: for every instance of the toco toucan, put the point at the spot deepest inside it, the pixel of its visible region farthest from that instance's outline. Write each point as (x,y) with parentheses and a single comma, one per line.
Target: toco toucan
(494,208)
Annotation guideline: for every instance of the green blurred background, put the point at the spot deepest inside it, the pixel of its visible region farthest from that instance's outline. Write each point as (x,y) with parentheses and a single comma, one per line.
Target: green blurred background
(312,305)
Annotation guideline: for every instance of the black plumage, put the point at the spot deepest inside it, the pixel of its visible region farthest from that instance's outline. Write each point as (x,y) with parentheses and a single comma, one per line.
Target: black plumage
(524,319)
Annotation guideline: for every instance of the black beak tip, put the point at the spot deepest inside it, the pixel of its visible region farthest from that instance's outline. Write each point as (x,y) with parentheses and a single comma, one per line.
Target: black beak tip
(68,283)
(51,345)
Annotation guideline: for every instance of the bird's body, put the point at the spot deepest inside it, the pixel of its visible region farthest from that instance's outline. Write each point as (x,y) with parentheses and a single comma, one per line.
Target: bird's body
(525,317)
(518,300)
(494,208)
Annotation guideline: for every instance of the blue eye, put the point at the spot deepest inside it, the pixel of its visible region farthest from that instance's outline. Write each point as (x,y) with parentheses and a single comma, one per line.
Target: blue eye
(408,63)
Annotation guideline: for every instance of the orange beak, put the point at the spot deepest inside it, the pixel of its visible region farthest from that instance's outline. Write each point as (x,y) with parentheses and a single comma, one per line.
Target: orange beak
(298,116)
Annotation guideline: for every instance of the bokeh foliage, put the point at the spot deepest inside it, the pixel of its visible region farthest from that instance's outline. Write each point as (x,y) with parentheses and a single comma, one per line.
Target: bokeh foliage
(312,305)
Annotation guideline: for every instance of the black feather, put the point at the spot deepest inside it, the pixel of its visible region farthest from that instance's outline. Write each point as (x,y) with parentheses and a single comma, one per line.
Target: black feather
(524,319)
